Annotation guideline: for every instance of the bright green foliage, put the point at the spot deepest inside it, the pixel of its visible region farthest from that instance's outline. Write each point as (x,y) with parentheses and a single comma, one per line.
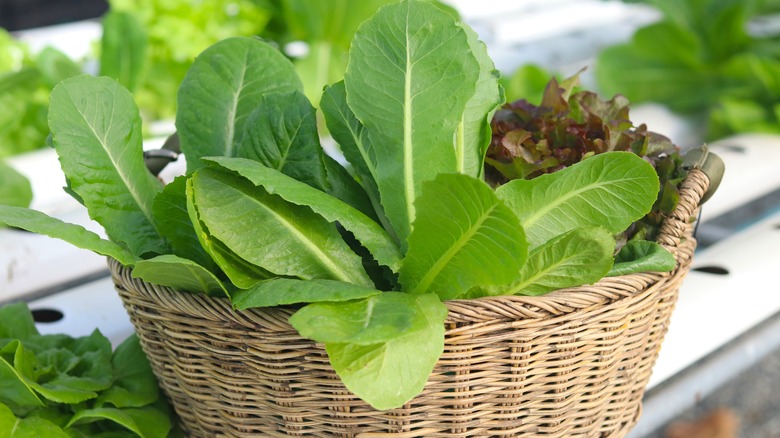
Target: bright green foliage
(463,237)
(15,188)
(123,49)
(383,347)
(179,273)
(611,190)
(59,386)
(402,85)
(700,60)
(642,255)
(101,155)
(368,250)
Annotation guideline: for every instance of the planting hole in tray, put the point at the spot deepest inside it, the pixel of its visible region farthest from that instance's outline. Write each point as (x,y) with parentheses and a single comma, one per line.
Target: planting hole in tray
(46,315)
(717,270)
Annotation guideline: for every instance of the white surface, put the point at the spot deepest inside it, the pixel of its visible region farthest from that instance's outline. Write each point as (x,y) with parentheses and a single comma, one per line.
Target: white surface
(73,39)
(714,309)
(752,170)
(85,308)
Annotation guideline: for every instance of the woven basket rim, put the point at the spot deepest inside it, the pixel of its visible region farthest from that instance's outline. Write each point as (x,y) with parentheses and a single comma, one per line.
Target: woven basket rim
(556,303)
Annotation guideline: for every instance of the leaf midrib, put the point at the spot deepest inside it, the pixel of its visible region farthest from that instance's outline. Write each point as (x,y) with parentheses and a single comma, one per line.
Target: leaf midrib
(104,144)
(441,262)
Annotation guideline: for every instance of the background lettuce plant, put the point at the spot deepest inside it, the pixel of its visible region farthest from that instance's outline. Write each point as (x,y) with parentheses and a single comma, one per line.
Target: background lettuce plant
(369,251)
(58,386)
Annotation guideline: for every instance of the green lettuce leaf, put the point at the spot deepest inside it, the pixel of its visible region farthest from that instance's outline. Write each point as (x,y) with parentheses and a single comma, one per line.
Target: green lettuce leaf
(642,256)
(222,88)
(284,291)
(281,133)
(96,131)
(123,48)
(179,273)
(33,427)
(134,382)
(611,190)
(266,230)
(581,256)
(146,422)
(368,232)
(39,223)
(403,85)
(463,237)
(383,347)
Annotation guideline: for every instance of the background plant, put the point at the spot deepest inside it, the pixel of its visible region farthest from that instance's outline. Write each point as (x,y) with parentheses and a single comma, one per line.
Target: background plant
(58,386)
(702,61)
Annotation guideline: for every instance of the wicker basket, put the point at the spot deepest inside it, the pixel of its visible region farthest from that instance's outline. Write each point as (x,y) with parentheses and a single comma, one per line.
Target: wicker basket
(571,363)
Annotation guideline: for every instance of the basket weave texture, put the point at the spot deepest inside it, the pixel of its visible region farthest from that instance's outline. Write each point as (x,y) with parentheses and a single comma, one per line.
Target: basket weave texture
(574,362)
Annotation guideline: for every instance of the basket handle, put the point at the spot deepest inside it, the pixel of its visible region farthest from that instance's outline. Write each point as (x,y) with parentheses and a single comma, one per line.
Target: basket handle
(708,162)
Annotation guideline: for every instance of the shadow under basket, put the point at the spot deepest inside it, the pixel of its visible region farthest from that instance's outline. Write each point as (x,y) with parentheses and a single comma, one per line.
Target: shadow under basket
(574,362)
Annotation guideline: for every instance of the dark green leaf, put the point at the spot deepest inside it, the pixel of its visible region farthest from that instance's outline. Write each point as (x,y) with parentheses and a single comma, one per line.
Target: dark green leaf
(267,231)
(371,235)
(134,382)
(173,221)
(146,422)
(281,133)
(34,427)
(223,86)
(14,388)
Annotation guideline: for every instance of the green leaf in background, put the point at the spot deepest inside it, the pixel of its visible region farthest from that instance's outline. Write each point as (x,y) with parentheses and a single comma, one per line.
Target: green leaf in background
(223,86)
(368,232)
(15,188)
(463,237)
(642,256)
(75,369)
(134,382)
(146,422)
(14,388)
(281,133)
(24,101)
(16,322)
(267,231)
(473,134)
(581,256)
(123,48)
(39,223)
(328,28)
(173,222)
(96,131)
(526,82)
(55,66)
(354,143)
(611,190)
(403,85)
(284,291)
(179,273)
(383,347)
(33,427)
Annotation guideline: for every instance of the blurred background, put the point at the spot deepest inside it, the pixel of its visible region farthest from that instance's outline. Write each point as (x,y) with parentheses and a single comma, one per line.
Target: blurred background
(696,71)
